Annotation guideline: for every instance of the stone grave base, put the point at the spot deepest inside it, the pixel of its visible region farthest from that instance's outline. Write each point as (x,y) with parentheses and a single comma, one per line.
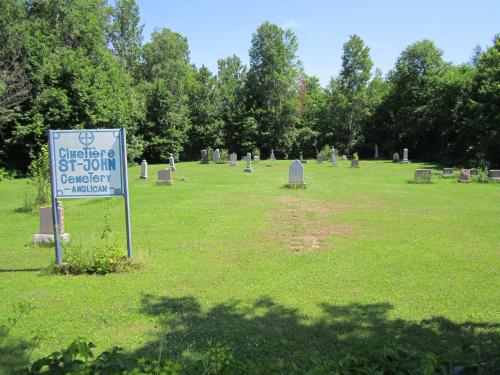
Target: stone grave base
(247,170)
(144,177)
(164,182)
(296,186)
(42,238)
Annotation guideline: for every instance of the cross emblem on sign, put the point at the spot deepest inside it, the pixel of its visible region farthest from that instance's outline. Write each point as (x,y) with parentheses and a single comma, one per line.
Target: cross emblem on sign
(86,138)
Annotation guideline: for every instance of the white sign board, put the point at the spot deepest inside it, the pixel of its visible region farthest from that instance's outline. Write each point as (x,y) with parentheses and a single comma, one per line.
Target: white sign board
(87,163)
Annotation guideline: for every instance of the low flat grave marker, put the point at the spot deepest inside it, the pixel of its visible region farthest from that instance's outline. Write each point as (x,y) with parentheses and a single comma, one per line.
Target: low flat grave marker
(494,174)
(422,176)
(448,172)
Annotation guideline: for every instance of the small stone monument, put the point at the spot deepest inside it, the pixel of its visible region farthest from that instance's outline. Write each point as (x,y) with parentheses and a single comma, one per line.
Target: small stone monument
(447,172)
(204,157)
(375,155)
(296,175)
(405,156)
(464,176)
(344,157)
(171,162)
(233,159)
(216,156)
(494,174)
(319,159)
(395,158)
(354,163)
(422,175)
(256,159)
(164,177)
(272,158)
(474,171)
(46,232)
(144,170)
(334,157)
(302,159)
(248,167)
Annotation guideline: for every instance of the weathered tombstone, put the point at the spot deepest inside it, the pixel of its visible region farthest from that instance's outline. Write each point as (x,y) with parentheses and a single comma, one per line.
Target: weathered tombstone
(474,171)
(164,177)
(376,152)
(171,162)
(46,232)
(405,156)
(344,157)
(144,169)
(302,159)
(494,174)
(296,175)
(334,156)
(464,176)
(354,163)
(256,159)
(422,175)
(320,158)
(204,157)
(216,156)
(233,159)
(248,167)
(273,158)
(448,172)
(395,158)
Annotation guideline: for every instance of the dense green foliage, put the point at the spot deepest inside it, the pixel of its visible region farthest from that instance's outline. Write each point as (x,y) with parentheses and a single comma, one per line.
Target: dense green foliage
(82,64)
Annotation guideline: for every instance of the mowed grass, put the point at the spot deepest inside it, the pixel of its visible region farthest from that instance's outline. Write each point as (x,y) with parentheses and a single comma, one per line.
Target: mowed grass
(359,259)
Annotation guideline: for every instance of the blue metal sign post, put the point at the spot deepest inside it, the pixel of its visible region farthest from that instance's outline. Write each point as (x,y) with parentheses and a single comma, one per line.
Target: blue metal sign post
(88,164)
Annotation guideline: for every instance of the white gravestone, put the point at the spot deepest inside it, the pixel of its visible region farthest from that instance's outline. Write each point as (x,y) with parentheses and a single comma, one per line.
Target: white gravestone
(405,156)
(216,156)
(248,167)
(334,156)
(144,169)
(46,232)
(376,152)
(164,177)
(320,158)
(233,159)
(448,172)
(171,162)
(272,156)
(296,174)
(256,159)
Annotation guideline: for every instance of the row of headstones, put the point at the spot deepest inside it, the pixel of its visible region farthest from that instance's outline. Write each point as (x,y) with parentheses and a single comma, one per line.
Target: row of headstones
(424,175)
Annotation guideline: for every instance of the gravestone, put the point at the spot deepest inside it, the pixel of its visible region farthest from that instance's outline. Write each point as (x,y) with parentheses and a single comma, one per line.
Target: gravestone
(344,157)
(204,157)
(320,158)
(171,162)
(354,163)
(395,158)
(474,171)
(375,155)
(233,159)
(144,169)
(494,174)
(422,175)
(464,176)
(272,156)
(405,156)
(448,172)
(248,167)
(216,156)
(256,159)
(164,177)
(46,231)
(302,159)
(334,157)
(296,175)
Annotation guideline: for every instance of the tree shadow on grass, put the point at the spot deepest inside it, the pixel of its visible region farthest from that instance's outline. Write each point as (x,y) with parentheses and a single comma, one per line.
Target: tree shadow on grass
(267,332)
(14,352)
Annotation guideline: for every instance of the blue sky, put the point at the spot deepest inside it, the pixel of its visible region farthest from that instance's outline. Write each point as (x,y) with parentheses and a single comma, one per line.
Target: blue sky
(220,28)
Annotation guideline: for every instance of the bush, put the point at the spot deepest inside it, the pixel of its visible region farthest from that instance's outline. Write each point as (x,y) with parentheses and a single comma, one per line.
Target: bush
(481,177)
(224,155)
(255,152)
(326,152)
(39,172)
(355,156)
(4,174)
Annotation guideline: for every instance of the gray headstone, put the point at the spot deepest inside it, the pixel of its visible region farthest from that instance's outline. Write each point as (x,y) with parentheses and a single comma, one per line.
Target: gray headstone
(248,167)
(395,157)
(296,173)
(422,175)
(474,171)
(233,159)
(216,156)
(344,157)
(494,174)
(405,155)
(171,162)
(320,158)
(204,157)
(354,163)
(144,169)
(376,152)
(164,177)
(448,172)
(272,155)
(46,232)
(464,176)
(334,156)
(256,159)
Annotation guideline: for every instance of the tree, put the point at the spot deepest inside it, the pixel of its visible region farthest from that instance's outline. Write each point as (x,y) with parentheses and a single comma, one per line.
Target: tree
(272,85)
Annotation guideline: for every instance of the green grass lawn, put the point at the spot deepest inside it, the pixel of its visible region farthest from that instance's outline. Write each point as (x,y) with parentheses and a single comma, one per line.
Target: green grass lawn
(359,259)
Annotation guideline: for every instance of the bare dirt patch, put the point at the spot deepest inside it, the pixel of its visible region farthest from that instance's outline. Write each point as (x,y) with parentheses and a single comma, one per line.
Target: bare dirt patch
(304,224)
